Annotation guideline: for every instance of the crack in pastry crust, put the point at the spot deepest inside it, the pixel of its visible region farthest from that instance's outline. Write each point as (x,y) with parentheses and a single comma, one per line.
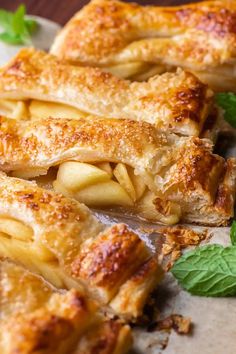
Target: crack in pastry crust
(71,249)
(178,102)
(35,317)
(199,37)
(183,176)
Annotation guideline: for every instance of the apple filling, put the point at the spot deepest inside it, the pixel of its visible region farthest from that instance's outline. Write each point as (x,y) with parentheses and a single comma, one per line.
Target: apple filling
(17,243)
(107,185)
(35,109)
(138,71)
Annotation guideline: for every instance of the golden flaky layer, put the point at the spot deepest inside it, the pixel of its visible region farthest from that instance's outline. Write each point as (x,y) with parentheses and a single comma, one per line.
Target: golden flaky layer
(176,102)
(181,178)
(58,238)
(36,318)
(136,41)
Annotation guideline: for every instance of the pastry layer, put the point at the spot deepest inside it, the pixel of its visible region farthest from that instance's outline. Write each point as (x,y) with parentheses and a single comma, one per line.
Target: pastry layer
(58,238)
(37,318)
(176,102)
(139,41)
(179,178)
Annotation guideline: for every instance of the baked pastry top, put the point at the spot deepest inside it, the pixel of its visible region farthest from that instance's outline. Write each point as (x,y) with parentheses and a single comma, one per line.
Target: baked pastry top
(37,318)
(123,163)
(137,41)
(59,238)
(35,84)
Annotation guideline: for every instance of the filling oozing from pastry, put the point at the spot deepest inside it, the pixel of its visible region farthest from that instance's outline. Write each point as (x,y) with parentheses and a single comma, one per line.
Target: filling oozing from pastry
(35,109)
(60,239)
(175,101)
(17,243)
(139,71)
(122,164)
(107,185)
(36,317)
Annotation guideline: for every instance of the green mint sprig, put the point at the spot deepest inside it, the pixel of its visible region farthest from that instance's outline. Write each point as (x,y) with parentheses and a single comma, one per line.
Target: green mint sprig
(233,233)
(17,29)
(209,270)
(227,101)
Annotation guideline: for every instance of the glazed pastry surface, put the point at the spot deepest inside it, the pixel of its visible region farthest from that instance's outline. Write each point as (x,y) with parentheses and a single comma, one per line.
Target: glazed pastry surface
(182,176)
(176,102)
(37,318)
(136,41)
(59,238)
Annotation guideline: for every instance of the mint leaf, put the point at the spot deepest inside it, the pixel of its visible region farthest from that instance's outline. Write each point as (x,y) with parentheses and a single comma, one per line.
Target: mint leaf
(18,24)
(17,28)
(9,38)
(207,271)
(31,25)
(227,101)
(233,233)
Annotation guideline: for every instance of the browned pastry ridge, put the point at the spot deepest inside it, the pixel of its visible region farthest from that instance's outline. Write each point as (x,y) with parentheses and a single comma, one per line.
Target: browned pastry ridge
(37,318)
(60,239)
(137,41)
(124,163)
(48,86)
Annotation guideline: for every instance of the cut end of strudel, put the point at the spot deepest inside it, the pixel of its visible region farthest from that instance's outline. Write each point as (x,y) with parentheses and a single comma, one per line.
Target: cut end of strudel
(58,238)
(137,42)
(35,84)
(37,318)
(124,165)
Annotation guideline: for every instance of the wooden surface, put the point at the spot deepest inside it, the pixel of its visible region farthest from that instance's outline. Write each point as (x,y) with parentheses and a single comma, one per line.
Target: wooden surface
(61,10)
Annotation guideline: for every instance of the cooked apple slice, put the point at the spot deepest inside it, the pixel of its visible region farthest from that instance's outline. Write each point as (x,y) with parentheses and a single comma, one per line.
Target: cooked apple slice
(25,255)
(7,107)
(42,109)
(122,176)
(60,188)
(153,208)
(138,183)
(104,194)
(105,166)
(128,69)
(77,175)
(29,173)
(20,110)
(15,229)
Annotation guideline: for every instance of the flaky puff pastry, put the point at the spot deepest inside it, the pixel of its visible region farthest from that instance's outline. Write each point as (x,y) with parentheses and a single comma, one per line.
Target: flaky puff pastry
(185,178)
(58,238)
(109,33)
(176,102)
(36,318)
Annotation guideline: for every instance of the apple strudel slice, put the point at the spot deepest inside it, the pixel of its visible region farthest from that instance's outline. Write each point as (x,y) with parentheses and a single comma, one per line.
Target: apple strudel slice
(59,238)
(37,318)
(36,84)
(123,165)
(137,42)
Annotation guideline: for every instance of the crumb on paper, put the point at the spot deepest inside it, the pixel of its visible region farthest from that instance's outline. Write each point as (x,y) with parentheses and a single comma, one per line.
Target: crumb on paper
(176,239)
(181,324)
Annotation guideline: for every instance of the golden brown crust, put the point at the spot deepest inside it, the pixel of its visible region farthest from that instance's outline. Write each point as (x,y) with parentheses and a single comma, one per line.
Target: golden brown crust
(70,251)
(24,144)
(106,266)
(178,102)
(200,37)
(174,168)
(39,319)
